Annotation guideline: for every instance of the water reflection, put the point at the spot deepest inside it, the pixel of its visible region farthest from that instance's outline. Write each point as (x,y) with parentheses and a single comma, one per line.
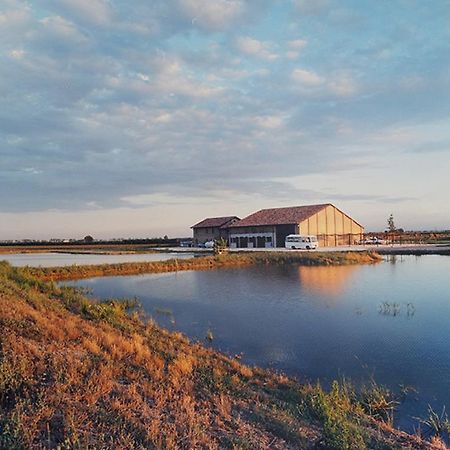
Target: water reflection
(327,281)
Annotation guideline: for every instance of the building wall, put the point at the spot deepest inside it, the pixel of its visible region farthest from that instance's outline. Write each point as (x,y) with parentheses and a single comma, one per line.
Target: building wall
(253,237)
(332,227)
(202,235)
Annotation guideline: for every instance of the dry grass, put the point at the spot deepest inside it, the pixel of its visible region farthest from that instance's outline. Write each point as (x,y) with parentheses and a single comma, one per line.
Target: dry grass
(79,374)
(205,263)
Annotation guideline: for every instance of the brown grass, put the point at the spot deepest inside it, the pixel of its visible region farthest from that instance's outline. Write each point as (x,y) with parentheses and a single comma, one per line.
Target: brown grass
(79,374)
(205,263)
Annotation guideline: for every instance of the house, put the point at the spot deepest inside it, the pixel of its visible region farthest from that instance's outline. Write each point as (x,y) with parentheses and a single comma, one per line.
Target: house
(269,227)
(212,228)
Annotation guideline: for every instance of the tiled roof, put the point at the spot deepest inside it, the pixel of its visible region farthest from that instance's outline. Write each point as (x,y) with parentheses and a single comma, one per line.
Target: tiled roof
(279,216)
(215,222)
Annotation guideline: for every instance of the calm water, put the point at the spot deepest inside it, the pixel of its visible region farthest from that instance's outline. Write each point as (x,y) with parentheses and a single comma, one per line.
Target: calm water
(68,259)
(316,322)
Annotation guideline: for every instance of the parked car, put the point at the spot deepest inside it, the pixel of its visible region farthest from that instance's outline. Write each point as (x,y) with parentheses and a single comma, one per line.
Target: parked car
(372,241)
(209,244)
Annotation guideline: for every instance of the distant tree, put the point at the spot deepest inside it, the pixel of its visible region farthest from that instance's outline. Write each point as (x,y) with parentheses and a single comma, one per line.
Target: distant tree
(166,237)
(391,224)
(88,239)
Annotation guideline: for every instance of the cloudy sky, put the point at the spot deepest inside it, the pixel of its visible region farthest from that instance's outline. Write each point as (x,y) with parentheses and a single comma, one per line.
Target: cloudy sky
(140,118)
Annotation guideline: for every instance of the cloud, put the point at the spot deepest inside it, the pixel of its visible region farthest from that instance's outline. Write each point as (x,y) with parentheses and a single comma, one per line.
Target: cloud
(58,28)
(212,15)
(308,7)
(269,122)
(442,146)
(343,85)
(17,53)
(297,44)
(96,12)
(253,47)
(307,78)
(338,84)
(103,103)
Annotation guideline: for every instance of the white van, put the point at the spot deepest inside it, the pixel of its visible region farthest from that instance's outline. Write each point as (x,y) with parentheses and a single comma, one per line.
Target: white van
(294,241)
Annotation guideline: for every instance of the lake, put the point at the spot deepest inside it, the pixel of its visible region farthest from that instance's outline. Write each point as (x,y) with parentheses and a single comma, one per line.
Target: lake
(389,322)
(68,259)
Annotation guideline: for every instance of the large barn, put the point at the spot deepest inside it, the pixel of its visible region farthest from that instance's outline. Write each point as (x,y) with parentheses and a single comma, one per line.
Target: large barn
(269,227)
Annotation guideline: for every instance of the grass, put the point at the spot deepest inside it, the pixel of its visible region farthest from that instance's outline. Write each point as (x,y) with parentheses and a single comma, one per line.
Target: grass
(81,374)
(204,263)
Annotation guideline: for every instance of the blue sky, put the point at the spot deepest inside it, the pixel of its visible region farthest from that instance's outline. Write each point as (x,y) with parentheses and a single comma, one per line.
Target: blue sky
(139,119)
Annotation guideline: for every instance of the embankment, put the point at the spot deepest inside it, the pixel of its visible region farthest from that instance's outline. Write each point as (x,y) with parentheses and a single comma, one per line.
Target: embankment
(203,263)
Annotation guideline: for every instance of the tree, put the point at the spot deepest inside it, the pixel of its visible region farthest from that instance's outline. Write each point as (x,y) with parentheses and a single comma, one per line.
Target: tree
(88,239)
(391,224)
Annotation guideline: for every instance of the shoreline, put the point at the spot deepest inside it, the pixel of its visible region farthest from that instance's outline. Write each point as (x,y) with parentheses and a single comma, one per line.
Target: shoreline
(202,263)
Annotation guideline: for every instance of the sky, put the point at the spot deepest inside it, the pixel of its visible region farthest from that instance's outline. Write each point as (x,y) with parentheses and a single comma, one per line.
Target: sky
(139,119)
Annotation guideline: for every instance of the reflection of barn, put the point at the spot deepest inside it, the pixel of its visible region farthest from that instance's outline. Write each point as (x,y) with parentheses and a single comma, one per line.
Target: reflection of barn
(329,282)
(269,227)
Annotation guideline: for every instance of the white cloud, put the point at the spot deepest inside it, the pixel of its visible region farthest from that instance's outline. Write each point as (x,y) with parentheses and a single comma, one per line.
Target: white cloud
(269,122)
(173,78)
(306,78)
(292,54)
(298,44)
(60,28)
(97,12)
(14,18)
(340,85)
(311,7)
(17,53)
(343,86)
(212,14)
(256,48)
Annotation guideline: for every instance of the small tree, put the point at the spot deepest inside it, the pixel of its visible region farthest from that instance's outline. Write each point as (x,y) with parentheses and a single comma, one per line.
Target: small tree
(391,227)
(88,239)
(220,246)
(391,224)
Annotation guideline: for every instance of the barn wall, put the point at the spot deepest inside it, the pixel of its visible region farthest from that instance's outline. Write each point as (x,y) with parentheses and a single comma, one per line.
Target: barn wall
(332,227)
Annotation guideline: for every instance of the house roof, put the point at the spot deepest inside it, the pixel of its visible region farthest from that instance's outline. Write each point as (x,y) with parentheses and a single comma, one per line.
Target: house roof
(279,216)
(215,222)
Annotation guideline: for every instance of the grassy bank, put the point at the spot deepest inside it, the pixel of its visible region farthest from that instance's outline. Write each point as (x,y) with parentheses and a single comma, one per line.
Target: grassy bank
(204,263)
(79,374)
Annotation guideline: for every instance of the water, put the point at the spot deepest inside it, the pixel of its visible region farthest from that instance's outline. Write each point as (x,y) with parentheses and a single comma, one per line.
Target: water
(68,259)
(316,323)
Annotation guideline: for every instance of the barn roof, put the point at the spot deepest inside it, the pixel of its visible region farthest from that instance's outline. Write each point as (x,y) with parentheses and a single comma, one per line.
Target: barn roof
(215,222)
(279,216)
